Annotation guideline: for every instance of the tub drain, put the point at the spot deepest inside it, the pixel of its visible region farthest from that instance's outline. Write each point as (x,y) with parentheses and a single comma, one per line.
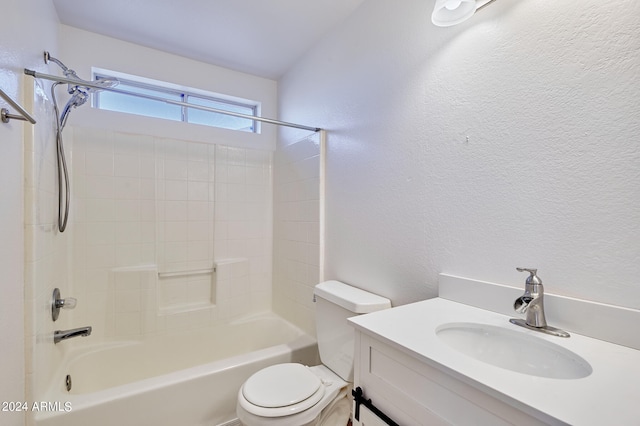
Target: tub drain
(67,382)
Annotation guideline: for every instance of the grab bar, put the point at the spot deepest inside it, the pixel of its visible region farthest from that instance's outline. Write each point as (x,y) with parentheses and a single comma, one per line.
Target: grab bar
(185,273)
(5,115)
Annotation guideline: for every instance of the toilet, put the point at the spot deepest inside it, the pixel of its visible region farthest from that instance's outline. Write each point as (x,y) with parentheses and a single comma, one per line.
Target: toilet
(297,395)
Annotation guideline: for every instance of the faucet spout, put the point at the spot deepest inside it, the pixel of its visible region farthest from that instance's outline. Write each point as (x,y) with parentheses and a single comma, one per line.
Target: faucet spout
(522,304)
(531,303)
(60,335)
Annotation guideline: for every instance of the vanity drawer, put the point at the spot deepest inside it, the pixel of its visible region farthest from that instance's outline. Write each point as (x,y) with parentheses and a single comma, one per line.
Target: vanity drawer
(414,393)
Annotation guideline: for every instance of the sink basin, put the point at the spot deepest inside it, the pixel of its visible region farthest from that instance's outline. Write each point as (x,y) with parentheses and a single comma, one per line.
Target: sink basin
(514,350)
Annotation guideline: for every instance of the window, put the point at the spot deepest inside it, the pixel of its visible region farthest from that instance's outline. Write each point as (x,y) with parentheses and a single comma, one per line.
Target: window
(149,107)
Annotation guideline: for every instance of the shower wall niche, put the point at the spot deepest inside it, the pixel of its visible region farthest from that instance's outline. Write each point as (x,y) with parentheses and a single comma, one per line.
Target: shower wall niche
(167,234)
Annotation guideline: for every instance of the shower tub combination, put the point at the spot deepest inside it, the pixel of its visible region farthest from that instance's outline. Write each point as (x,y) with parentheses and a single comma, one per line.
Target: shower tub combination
(187,379)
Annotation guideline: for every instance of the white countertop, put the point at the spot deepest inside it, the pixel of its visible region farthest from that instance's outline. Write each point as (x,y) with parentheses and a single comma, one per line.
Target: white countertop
(610,395)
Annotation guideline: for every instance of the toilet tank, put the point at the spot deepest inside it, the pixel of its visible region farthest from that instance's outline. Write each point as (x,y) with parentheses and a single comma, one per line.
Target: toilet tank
(335,302)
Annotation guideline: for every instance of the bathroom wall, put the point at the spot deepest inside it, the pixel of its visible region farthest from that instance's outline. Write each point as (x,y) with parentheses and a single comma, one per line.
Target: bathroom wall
(148,197)
(116,55)
(296,229)
(509,140)
(152,217)
(24,27)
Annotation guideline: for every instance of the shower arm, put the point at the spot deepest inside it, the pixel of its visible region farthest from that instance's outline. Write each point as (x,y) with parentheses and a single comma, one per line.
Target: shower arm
(50,77)
(48,57)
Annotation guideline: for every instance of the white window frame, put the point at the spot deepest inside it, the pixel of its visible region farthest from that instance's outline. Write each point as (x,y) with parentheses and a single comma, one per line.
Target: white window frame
(183,92)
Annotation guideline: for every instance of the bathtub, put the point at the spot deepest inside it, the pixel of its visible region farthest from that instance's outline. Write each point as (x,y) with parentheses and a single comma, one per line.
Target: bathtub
(187,379)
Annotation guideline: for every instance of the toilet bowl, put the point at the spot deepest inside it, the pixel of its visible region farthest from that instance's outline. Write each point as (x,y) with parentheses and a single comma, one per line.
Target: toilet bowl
(296,395)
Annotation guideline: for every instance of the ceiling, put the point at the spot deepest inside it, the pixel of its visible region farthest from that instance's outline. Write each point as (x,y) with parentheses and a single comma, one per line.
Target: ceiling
(260,37)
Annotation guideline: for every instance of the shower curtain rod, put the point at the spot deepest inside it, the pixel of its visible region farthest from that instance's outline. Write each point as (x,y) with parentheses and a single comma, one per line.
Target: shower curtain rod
(36,74)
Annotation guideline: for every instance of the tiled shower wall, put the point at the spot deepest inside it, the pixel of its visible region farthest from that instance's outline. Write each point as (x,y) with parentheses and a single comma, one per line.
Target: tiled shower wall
(153,217)
(297,230)
(47,254)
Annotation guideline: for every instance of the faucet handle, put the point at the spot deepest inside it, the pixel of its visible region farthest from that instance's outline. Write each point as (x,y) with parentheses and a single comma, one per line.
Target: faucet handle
(532,279)
(67,303)
(57,303)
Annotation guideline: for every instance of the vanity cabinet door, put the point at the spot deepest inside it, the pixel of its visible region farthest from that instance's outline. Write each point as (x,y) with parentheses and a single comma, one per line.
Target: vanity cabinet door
(412,392)
(367,418)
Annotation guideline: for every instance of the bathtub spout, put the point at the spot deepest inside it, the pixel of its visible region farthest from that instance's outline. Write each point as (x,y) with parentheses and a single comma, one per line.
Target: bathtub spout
(60,335)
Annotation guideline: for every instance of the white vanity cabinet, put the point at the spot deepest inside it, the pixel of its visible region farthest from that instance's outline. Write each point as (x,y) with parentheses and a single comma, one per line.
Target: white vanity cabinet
(411,371)
(412,392)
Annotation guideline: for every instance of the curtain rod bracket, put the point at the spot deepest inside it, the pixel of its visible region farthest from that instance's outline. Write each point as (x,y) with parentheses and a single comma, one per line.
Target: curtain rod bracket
(5,115)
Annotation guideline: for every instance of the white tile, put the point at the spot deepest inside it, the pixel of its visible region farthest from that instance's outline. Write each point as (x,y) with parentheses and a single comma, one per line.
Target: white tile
(128,301)
(126,281)
(173,292)
(175,210)
(176,190)
(100,233)
(236,174)
(127,254)
(198,211)
(101,256)
(256,175)
(127,165)
(175,169)
(127,210)
(127,188)
(198,152)
(236,156)
(147,210)
(199,191)
(147,167)
(98,164)
(175,149)
(147,232)
(99,210)
(197,250)
(97,140)
(236,193)
(99,187)
(128,232)
(147,189)
(175,231)
(175,252)
(198,171)
(128,324)
(147,253)
(199,291)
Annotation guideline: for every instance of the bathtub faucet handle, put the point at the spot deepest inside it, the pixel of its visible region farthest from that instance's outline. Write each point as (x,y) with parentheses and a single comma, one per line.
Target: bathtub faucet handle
(58,303)
(68,303)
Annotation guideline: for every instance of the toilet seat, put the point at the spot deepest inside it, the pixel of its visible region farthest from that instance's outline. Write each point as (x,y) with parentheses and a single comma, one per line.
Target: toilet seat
(281,390)
(334,389)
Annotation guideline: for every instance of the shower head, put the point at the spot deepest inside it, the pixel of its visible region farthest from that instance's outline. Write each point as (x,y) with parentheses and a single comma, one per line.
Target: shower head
(72,75)
(79,92)
(78,98)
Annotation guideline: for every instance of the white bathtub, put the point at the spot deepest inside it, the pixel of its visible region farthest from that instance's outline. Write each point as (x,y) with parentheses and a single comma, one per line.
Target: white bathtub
(190,379)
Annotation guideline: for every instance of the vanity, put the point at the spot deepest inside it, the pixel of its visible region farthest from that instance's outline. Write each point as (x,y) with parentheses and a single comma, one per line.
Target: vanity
(457,360)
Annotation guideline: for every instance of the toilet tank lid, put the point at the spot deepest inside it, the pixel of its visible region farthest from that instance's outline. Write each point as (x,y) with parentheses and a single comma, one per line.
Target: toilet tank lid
(351,298)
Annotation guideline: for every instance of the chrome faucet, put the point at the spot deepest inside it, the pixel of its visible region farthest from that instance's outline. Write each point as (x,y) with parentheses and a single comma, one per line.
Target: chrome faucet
(531,303)
(60,335)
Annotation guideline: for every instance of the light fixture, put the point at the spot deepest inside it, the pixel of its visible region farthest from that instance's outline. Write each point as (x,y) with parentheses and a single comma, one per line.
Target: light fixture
(452,12)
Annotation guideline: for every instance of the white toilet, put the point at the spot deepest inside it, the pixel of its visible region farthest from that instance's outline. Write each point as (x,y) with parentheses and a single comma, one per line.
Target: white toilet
(297,395)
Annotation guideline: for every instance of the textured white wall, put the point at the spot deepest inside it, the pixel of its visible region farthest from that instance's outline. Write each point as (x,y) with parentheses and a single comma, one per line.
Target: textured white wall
(25,26)
(510,140)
